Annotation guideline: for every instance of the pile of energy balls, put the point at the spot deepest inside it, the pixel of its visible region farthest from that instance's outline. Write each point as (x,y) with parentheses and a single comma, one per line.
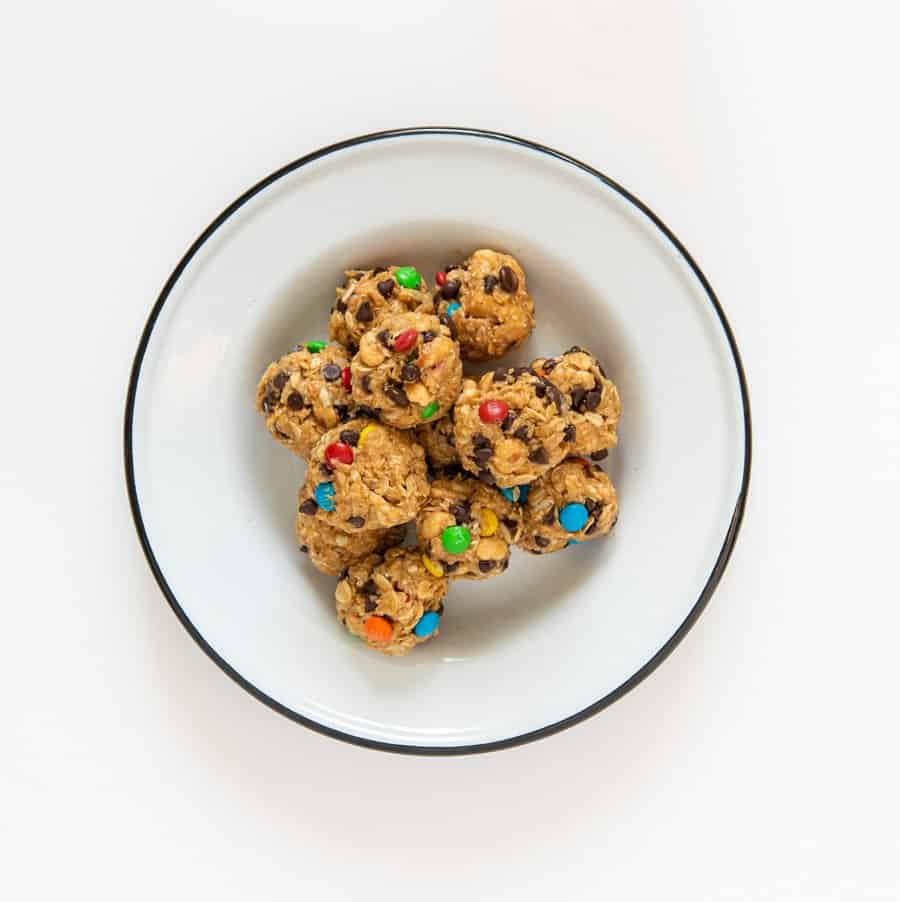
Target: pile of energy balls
(393,432)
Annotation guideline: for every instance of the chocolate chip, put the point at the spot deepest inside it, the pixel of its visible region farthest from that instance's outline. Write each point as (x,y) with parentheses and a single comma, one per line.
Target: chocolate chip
(569,433)
(449,568)
(541,541)
(539,455)
(600,455)
(366,384)
(521,434)
(578,396)
(509,523)
(379,269)
(267,404)
(325,469)
(556,395)
(508,420)
(509,281)
(500,375)
(441,609)
(370,605)
(517,371)
(331,372)
(540,389)
(349,437)
(486,477)
(575,349)
(356,522)
(279,381)
(592,528)
(363,411)
(480,440)
(394,392)
(450,289)
(386,288)
(304,549)
(280,434)
(309,507)
(429,336)
(448,322)
(549,364)
(461,511)
(384,337)
(364,313)
(343,574)
(592,400)
(343,412)
(483,455)
(410,373)
(490,283)
(295,400)
(504,563)
(486,566)
(450,266)
(369,588)
(341,306)
(550,517)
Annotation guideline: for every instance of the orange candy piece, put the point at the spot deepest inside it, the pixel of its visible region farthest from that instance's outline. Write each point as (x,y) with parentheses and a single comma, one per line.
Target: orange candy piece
(378,629)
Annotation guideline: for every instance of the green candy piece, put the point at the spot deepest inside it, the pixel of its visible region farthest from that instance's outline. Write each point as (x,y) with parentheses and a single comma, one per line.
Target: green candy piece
(407,276)
(456,539)
(315,346)
(429,410)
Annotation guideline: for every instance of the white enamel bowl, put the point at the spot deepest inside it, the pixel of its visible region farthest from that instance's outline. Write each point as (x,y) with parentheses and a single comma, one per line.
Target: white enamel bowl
(556,638)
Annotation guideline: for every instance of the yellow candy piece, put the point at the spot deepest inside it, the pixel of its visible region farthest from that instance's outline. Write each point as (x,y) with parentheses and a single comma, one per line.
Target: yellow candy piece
(433,568)
(488,522)
(363,433)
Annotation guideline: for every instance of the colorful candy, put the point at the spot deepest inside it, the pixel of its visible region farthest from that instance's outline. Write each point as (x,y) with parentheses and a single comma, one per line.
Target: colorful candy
(407,276)
(429,410)
(378,629)
(433,568)
(427,624)
(456,539)
(405,340)
(345,378)
(516,493)
(493,411)
(489,522)
(366,430)
(452,308)
(338,451)
(573,517)
(315,346)
(440,278)
(325,496)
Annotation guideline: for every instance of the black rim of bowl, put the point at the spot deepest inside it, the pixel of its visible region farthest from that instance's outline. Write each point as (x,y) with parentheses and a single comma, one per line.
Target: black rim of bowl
(654,662)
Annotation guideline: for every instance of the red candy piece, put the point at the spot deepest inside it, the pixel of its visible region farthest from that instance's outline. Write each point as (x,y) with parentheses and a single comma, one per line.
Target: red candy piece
(345,377)
(492,411)
(440,277)
(406,339)
(338,451)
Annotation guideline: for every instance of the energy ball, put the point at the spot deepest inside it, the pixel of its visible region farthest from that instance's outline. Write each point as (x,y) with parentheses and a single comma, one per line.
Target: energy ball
(466,528)
(595,407)
(574,502)
(439,442)
(368,293)
(331,550)
(510,426)
(364,475)
(392,602)
(486,303)
(305,393)
(407,369)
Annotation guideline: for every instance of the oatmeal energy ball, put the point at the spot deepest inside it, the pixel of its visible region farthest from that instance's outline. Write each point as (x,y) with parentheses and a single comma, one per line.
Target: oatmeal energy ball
(574,502)
(364,475)
(393,602)
(305,393)
(407,369)
(510,426)
(439,443)
(367,294)
(486,302)
(465,529)
(331,550)
(593,399)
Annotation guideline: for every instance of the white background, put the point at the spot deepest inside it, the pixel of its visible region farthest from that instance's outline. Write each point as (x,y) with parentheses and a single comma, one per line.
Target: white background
(761,760)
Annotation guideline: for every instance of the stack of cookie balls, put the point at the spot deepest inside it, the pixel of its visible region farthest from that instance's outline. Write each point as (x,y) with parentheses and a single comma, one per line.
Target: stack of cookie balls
(393,433)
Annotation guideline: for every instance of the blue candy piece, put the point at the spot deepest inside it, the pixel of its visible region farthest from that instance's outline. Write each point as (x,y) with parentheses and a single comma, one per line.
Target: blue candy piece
(572,542)
(573,517)
(427,624)
(452,308)
(325,496)
(516,493)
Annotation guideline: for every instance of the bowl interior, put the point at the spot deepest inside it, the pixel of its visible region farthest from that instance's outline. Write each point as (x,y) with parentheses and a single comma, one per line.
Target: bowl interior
(553,635)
